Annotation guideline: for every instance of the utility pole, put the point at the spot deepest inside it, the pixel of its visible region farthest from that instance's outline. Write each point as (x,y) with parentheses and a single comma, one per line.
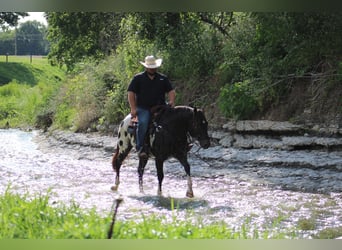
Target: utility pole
(15,42)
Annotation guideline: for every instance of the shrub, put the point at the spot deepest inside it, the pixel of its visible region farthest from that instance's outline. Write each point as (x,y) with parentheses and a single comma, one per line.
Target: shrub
(236,101)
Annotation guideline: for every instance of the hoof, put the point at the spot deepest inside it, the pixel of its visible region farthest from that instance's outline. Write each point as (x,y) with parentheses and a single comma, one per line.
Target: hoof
(114,188)
(190,194)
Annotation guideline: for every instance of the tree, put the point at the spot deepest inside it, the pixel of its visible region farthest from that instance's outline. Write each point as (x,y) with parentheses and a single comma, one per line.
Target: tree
(75,36)
(271,52)
(7,42)
(11,18)
(31,39)
(28,38)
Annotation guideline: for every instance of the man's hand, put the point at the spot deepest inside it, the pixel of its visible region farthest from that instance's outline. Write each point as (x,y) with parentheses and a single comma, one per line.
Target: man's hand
(133,113)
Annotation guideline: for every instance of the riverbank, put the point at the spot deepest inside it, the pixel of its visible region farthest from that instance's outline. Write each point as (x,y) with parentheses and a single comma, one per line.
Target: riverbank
(253,142)
(278,135)
(247,134)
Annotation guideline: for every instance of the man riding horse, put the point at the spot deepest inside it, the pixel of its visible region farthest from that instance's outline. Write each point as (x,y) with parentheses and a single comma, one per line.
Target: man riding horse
(171,126)
(146,90)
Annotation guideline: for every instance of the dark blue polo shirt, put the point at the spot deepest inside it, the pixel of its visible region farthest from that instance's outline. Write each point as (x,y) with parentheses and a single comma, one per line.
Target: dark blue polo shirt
(149,92)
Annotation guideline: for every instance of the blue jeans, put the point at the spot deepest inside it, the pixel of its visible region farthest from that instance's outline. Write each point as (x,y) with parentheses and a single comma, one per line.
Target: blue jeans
(143,121)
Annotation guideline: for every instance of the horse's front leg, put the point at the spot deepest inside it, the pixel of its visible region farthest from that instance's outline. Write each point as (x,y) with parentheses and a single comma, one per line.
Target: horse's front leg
(160,174)
(186,165)
(141,168)
(189,192)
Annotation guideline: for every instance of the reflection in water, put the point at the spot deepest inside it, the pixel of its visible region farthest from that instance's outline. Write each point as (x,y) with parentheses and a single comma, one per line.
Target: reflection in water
(171,203)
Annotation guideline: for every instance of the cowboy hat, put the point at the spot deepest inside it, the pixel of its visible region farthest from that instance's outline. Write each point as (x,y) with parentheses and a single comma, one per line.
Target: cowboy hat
(151,62)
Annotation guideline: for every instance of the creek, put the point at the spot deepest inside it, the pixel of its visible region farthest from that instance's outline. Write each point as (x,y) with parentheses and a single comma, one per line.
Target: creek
(272,191)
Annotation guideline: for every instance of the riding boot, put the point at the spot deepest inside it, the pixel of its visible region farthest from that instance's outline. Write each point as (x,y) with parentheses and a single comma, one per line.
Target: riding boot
(142,153)
(145,150)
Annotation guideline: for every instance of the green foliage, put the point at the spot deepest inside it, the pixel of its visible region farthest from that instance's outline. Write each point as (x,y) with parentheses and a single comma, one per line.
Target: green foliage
(18,71)
(271,49)
(31,39)
(64,116)
(184,43)
(7,44)
(28,92)
(306,224)
(189,48)
(237,101)
(20,103)
(95,93)
(252,57)
(10,18)
(24,217)
(75,36)
(27,39)
(329,233)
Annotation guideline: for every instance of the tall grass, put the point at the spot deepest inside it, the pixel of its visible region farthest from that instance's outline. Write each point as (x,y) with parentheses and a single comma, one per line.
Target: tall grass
(19,103)
(23,217)
(94,94)
(25,90)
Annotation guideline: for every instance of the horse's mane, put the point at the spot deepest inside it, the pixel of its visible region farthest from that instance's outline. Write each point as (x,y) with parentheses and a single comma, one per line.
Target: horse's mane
(166,114)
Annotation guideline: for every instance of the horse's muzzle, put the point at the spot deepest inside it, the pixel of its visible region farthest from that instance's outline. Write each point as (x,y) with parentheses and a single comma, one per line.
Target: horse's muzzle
(205,143)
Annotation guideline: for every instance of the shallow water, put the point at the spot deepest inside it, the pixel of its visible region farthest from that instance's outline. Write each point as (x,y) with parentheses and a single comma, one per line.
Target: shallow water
(268,190)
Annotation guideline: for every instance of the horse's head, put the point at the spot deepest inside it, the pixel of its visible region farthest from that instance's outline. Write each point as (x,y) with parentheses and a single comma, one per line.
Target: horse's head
(199,128)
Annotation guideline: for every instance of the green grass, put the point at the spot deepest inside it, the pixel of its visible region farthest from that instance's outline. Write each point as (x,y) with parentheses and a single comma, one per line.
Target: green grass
(25,89)
(329,233)
(22,217)
(20,68)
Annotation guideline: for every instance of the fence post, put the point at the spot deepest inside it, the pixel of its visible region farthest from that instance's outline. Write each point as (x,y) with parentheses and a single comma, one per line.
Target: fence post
(6,57)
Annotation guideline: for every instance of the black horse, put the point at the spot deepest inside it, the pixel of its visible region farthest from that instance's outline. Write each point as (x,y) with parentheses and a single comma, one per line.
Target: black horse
(167,138)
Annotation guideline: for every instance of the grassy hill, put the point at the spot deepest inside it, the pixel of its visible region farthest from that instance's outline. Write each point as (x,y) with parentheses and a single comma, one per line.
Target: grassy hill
(26,85)
(27,70)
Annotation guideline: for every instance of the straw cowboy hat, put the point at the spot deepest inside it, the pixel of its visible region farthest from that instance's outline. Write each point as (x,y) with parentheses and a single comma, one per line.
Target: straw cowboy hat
(151,62)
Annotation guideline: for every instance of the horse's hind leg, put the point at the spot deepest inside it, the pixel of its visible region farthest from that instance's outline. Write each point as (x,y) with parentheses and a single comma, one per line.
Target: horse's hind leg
(117,160)
(141,168)
(116,164)
(160,174)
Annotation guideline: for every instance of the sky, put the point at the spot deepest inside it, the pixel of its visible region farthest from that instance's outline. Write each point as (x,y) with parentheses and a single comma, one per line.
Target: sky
(38,16)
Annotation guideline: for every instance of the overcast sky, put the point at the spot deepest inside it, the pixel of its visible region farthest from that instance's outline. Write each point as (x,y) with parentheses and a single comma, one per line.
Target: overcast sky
(38,16)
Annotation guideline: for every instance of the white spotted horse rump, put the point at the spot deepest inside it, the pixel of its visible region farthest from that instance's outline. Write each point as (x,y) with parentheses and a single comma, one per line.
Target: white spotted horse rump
(126,140)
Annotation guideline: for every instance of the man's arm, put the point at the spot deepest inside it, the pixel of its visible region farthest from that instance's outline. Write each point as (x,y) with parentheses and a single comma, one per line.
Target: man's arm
(132,103)
(172,97)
